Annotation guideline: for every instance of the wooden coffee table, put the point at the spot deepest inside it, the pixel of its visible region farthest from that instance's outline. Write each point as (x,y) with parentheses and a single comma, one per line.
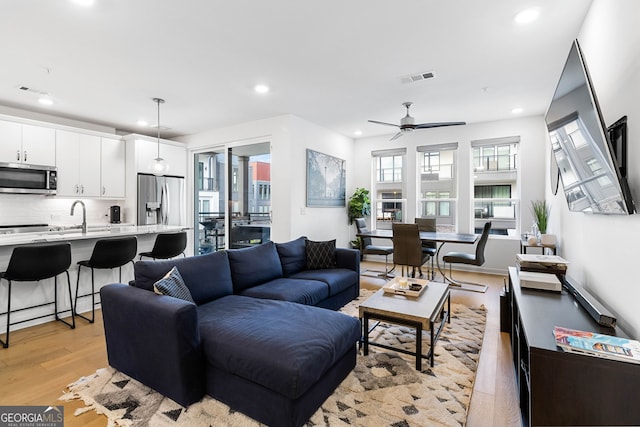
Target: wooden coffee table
(420,312)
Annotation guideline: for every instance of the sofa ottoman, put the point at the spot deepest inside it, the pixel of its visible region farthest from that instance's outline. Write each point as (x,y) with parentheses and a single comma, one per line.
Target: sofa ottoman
(275,361)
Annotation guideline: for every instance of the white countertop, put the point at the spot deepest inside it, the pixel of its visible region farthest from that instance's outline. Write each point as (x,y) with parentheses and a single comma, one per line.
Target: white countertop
(93,232)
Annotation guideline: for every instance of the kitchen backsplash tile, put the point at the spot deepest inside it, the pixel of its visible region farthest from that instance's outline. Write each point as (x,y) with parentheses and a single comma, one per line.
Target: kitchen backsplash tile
(18,209)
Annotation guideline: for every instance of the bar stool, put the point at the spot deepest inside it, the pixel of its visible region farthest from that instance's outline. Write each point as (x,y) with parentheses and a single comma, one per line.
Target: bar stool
(34,263)
(167,245)
(107,254)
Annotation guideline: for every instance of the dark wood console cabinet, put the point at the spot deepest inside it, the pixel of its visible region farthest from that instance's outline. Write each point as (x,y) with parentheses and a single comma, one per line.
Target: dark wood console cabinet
(557,388)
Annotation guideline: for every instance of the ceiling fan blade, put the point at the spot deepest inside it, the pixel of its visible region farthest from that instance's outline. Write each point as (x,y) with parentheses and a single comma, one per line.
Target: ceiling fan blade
(383,123)
(438,125)
(396,136)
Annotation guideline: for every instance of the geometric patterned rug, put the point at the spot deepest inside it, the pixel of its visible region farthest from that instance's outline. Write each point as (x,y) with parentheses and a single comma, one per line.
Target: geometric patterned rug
(384,389)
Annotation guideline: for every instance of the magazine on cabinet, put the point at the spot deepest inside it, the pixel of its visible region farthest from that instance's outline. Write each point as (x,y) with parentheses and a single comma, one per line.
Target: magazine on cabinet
(598,345)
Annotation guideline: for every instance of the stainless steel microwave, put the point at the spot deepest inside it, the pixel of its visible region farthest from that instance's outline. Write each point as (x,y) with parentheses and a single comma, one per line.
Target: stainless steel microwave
(28,179)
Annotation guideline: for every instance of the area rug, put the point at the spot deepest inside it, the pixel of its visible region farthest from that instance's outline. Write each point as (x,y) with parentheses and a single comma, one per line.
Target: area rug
(384,389)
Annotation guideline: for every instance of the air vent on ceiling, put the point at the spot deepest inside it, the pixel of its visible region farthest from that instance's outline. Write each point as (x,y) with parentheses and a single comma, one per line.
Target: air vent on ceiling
(412,78)
(31,90)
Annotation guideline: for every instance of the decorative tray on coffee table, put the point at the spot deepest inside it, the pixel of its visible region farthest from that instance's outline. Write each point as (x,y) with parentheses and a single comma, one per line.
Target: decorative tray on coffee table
(414,289)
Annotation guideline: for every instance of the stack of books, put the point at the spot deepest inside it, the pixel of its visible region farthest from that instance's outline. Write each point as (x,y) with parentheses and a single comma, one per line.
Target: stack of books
(541,263)
(598,345)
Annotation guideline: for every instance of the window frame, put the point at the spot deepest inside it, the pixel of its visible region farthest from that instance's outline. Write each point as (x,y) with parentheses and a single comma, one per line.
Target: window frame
(492,174)
(440,202)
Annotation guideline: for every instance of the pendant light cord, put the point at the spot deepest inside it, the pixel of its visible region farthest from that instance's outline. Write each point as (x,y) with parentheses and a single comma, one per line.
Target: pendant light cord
(158,101)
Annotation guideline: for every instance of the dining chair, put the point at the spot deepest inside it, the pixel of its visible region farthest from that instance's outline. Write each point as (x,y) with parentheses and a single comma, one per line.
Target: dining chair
(407,248)
(476,259)
(429,246)
(368,248)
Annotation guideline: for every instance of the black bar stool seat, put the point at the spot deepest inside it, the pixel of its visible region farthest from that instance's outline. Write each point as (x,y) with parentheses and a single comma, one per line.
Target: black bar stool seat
(107,254)
(34,263)
(167,245)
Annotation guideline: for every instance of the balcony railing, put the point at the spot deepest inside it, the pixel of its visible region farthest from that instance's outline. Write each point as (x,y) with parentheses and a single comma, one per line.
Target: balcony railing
(495,163)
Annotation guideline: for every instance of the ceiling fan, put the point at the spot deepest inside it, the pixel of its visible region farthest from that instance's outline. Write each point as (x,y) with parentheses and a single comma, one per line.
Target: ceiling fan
(407,124)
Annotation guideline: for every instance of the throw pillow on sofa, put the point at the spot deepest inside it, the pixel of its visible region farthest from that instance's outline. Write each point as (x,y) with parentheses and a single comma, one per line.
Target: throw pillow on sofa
(173,285)
(254,266)
(293,256)
(321,255)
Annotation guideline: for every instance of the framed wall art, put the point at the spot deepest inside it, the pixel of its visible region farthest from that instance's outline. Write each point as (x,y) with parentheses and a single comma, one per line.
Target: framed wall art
(325,180)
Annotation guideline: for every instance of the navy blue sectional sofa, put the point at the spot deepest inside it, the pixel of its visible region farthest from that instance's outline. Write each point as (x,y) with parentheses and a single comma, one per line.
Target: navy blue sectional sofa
(259,337)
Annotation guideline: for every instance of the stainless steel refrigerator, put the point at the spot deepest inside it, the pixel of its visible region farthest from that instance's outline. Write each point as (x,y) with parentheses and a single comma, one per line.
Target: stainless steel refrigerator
(161,200)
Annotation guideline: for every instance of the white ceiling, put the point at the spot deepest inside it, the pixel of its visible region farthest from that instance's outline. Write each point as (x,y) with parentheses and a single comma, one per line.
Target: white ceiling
(334,63)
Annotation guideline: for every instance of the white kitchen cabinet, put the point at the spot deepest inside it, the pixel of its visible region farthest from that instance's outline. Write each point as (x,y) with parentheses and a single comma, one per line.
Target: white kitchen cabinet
(113,168)
(10,142)
(22,143)
(175,157)
(78,162)
(38,145)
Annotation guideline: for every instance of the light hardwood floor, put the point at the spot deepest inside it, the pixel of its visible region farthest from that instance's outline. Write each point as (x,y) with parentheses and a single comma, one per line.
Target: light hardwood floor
(43,359)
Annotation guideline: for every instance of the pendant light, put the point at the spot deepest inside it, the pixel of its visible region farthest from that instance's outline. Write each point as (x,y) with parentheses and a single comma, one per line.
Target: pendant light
(158,165)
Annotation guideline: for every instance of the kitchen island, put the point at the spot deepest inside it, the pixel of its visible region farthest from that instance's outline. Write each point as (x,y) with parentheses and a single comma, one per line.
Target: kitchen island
(26,294)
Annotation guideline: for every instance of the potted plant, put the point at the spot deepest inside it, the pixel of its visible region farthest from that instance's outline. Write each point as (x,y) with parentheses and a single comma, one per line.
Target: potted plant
(359,206)
(541,212)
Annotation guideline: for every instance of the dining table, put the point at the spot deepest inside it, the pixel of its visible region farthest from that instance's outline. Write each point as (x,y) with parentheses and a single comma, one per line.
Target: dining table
(440,238)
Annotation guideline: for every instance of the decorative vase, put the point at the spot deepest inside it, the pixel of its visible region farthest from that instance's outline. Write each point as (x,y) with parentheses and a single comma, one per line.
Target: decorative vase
(548,239)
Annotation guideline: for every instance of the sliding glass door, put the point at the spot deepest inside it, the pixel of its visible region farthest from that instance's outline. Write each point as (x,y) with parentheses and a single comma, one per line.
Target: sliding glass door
(232,197)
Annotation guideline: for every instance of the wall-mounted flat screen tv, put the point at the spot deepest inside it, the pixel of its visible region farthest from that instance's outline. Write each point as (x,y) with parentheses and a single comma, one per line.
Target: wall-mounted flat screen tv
(589,171)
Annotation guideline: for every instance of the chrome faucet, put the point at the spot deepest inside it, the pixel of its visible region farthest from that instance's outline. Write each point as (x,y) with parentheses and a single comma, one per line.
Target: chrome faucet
(84,214)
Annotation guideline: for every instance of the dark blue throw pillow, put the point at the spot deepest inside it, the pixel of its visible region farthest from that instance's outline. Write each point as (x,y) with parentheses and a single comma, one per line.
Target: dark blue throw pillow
(254,265)
(321,255)
(293,256)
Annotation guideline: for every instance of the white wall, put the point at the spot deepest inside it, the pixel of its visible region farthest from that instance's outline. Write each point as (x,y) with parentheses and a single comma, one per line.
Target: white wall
(602,250)
(500,250)
(289,137)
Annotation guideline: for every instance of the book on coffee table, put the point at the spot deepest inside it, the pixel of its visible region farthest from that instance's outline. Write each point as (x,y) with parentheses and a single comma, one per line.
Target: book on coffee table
(414,287)
(598,345)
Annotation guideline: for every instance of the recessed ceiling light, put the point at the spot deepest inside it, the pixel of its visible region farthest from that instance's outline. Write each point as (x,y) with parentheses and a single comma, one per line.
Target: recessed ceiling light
(261,88)
(357,133)
(84,2)
(517,110)
(527,16)
(143,123)
(45,100)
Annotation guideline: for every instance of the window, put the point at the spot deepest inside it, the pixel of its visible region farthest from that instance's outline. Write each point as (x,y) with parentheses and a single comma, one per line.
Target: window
(494,157)
(388,195)
(389,168)
(495,191)
(437,185)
